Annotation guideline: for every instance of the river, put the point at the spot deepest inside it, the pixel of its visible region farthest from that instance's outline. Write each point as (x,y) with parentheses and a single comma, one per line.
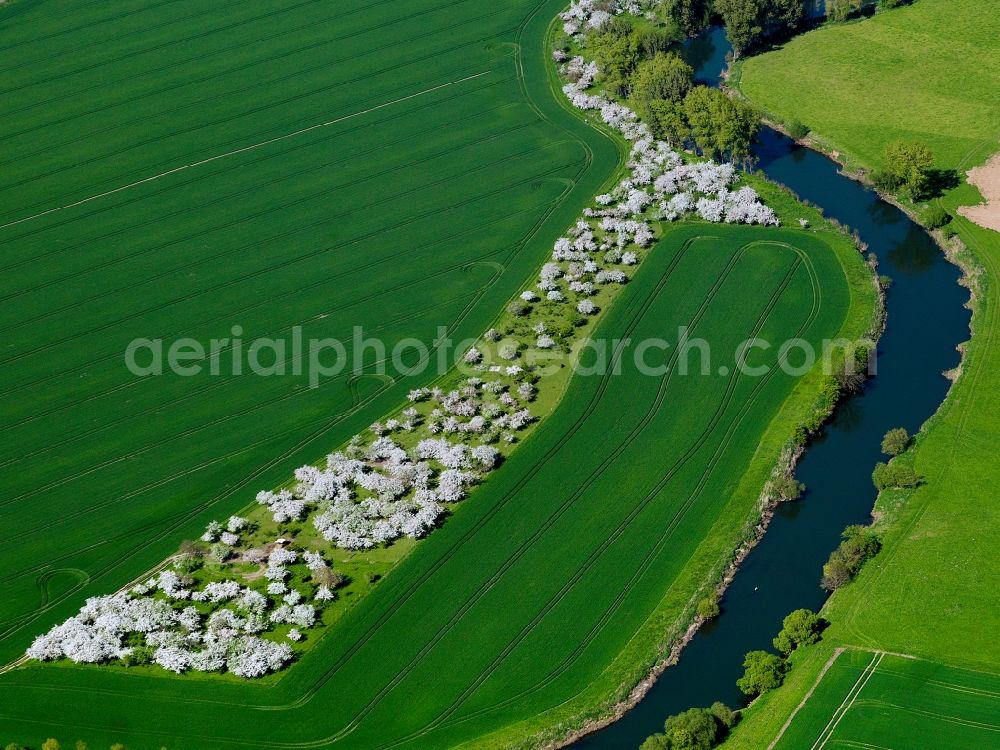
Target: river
(927,319)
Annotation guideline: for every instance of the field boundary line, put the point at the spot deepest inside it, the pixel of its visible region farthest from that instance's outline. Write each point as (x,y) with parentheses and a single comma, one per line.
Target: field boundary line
(934,715)
(242,150)
(848,701)
(788,722)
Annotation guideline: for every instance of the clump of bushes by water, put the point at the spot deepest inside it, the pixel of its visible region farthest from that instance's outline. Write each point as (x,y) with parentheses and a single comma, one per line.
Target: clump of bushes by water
(859,545)
(694,729)
(787,488)
(935,217)
(894,476)
(797,130)
(803,627)
(895,441)
(708,608)
(763,672)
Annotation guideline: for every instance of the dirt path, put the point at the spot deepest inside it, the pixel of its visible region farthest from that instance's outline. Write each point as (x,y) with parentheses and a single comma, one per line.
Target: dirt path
(987,179)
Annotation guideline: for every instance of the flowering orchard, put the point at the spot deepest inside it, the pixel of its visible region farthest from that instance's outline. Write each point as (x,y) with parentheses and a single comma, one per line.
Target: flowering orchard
(400,477)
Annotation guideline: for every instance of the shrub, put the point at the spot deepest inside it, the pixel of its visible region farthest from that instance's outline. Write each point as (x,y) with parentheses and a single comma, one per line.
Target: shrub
(801,628)
(936,217)
(51,744)
(764,671)
(858,546)
(788,488)
(895,441)
(885,182)
(797,130)
(708,608)
(694,729)
(890,476)
(139,656)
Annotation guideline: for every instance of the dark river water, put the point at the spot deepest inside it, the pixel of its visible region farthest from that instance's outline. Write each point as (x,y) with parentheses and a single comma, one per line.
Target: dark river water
(926,321)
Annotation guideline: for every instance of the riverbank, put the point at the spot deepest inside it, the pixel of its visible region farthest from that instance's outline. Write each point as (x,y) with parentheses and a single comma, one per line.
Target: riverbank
(929,593)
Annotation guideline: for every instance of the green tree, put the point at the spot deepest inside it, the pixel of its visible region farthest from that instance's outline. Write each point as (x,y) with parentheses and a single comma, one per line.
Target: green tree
(617,57)
(744,20)
(893,476)
(655,742)
(118,746)
(785,14)
(895,441)
(690,15)
(801,628)
(667,121)
(665,77)
(708,608)
(81,745)
(726,717)
(788,488)
(721,126)
(694,729)
(699,111)
(51,744)
(910,164)
(763,671)
(12,746)
(655,40)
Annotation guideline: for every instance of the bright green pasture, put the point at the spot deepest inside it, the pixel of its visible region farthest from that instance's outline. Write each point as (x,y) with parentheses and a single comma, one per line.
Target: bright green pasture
(432,188)
(925,72)
(513,617)
(894,701)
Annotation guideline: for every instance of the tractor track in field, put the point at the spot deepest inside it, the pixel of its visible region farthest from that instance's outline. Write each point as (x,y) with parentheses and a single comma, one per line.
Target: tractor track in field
(159,92)
(495,191)
(620,530)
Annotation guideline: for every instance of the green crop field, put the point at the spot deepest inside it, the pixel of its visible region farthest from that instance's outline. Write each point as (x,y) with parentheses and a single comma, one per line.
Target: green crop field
(310,164)
(589,542)
(206,170)
(903,702)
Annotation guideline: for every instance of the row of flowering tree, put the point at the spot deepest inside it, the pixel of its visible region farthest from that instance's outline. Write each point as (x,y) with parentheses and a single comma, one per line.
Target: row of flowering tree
(243,613)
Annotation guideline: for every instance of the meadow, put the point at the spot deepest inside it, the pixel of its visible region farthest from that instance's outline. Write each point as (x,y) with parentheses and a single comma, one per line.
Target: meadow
(425,189)
(930,592)
(595,534)
(904,702)
(922,72)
